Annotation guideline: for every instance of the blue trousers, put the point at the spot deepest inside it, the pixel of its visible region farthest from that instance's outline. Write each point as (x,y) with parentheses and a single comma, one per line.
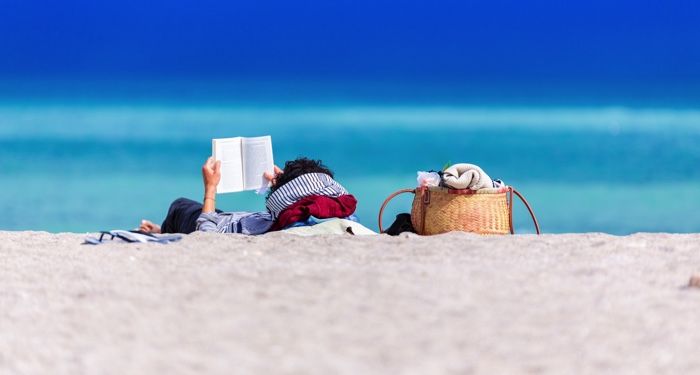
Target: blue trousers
(182,216)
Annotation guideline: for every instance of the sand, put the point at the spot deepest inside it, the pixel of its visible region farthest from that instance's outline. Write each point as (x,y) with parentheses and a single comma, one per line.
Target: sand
(456,303)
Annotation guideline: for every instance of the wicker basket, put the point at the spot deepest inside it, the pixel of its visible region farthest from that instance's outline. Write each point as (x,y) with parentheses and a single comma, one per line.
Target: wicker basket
(438,210)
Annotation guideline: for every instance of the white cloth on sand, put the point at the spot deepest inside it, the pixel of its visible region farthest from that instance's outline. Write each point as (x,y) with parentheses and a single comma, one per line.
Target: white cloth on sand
(466,176)
(332,226)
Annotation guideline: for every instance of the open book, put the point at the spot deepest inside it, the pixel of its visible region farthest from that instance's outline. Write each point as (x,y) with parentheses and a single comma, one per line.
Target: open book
(243,162)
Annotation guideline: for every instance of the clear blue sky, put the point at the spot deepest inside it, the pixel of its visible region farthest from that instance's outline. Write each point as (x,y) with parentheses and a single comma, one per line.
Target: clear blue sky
(484,40)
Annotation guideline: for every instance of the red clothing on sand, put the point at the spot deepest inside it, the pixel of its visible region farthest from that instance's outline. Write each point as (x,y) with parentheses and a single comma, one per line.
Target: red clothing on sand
(318,206)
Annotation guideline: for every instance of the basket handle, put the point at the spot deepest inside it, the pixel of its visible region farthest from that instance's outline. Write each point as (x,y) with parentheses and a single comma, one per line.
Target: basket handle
(512,191)
(386,201)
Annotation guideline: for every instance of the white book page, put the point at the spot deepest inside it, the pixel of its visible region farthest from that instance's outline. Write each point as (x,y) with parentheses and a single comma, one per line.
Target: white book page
(257,159)
(229,152)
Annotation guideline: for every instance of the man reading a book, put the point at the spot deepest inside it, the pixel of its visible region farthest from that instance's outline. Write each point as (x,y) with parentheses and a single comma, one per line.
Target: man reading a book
(303,190)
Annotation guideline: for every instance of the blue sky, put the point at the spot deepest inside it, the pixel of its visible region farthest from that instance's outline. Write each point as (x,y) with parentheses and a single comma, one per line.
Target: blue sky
(472,41)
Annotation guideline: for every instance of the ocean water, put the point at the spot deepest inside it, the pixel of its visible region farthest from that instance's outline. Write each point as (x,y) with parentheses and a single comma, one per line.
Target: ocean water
(95,165)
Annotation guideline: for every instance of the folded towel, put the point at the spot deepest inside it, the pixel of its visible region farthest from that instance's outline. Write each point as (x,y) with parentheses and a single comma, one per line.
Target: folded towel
(466,176)
(333,226)
(131,236)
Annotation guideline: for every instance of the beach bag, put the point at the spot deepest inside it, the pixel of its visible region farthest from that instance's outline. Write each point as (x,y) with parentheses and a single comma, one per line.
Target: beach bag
(438,210)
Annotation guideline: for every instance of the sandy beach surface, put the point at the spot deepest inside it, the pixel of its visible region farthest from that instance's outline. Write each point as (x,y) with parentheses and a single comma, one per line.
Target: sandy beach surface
(456,303)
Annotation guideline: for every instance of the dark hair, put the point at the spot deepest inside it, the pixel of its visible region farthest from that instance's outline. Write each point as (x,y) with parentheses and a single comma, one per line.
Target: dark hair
(299,166)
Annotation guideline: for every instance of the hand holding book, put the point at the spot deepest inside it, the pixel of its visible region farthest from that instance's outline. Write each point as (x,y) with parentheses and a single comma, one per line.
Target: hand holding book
(211,174)
(272,177)
(243,163)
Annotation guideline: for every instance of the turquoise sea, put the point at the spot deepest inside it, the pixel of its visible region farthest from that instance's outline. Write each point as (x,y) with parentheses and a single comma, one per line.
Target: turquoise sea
(92,164)
(590,108)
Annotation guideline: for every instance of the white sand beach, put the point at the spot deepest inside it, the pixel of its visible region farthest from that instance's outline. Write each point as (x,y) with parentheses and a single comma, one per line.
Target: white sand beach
(456,303)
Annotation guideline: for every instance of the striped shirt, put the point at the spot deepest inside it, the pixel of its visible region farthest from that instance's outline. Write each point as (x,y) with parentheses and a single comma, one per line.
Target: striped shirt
(301,187)
(235,222)
(260,222)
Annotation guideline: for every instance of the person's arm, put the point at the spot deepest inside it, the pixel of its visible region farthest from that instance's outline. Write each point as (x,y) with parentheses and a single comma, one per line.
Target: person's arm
(272,177)
(211,174)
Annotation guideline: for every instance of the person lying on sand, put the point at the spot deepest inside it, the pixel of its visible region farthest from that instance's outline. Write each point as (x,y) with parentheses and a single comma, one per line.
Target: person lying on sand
(304,189)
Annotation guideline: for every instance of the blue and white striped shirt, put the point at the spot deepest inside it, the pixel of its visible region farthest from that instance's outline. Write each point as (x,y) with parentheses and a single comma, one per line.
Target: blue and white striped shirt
(260,222)
(235,222)
(301,187)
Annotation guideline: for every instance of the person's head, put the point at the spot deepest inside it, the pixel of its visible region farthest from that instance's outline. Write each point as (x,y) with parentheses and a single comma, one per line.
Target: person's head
(295,168)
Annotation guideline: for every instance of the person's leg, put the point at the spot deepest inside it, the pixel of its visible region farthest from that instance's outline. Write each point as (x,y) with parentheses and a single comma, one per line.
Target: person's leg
(149,226)
(182,216)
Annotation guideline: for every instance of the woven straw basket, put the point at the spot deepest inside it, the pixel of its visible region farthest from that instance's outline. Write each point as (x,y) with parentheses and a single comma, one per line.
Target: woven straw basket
(438,210)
